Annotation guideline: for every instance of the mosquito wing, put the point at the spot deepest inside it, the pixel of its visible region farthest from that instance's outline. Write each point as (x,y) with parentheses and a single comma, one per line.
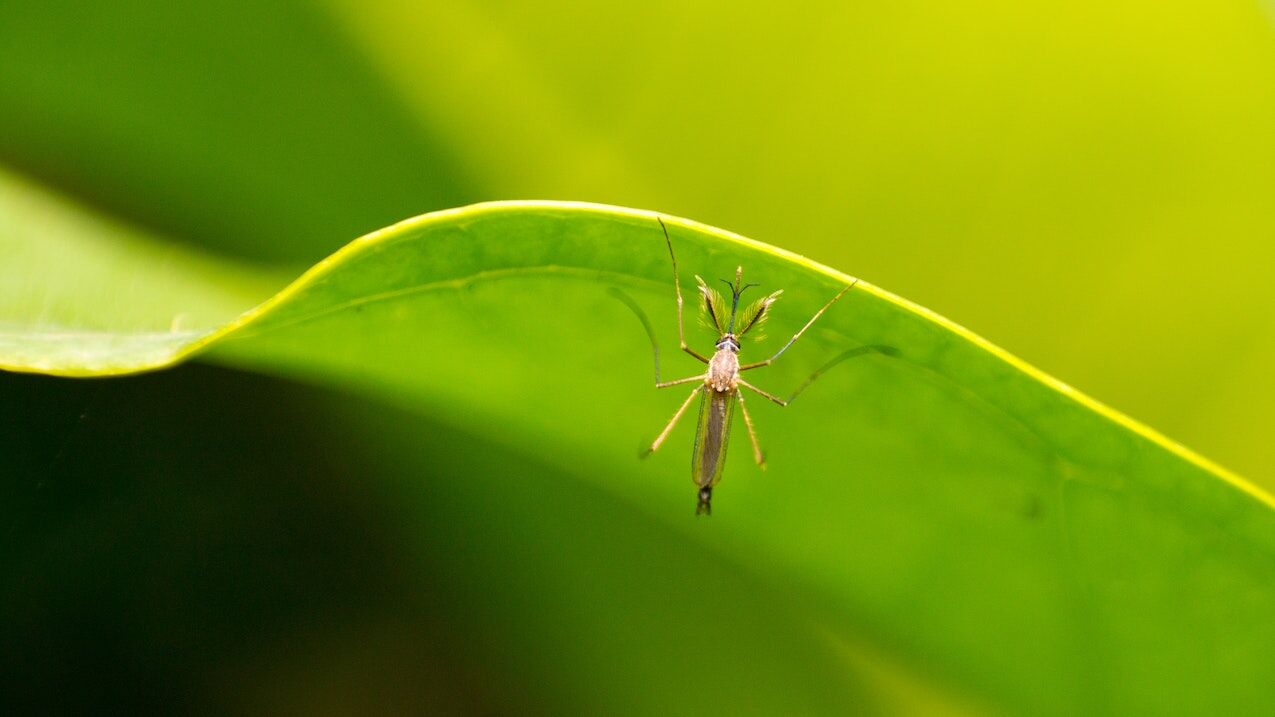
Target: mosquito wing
(711,436)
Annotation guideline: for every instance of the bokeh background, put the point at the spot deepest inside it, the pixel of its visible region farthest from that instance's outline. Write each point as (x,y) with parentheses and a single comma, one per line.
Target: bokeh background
(1088,185)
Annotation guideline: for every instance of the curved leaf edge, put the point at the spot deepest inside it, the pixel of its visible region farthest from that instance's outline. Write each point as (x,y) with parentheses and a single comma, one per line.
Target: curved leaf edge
(199,341)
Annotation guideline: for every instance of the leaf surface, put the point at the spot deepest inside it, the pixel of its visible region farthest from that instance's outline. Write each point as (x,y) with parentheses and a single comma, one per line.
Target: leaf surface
(974,519)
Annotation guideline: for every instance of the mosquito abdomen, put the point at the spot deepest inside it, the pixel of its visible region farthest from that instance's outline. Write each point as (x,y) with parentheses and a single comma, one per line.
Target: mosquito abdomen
(711,438)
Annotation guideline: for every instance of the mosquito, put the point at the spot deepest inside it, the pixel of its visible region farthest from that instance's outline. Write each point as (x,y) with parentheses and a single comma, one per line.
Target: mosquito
(719,387)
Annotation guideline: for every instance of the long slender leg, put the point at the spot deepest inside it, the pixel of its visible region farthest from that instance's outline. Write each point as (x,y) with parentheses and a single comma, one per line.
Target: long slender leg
(763,394)
(752,432)
(852,353)
(857,351)
(650,334)
(797,335)
(655,446)
(681,381)
(677,288)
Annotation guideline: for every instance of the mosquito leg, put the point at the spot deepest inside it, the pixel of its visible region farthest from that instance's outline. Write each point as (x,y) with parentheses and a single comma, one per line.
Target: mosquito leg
(797,335)
(752,432)
(763,394)
(681,381)
(857,351)
(852,353)
(672,422)
(650,334)
(677,289)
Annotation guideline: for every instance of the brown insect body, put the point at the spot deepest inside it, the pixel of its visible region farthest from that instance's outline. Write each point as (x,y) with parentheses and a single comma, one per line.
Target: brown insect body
(717,408)
(719,386)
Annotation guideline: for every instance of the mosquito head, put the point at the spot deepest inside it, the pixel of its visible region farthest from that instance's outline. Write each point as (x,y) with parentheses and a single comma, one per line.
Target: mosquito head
(736,290)
(705,505)
(728,341)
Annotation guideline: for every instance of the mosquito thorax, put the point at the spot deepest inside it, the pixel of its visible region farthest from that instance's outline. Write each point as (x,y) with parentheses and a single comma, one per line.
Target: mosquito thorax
(723,367)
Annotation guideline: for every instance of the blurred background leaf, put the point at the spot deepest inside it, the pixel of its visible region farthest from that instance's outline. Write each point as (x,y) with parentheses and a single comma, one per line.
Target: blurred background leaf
(1086,185)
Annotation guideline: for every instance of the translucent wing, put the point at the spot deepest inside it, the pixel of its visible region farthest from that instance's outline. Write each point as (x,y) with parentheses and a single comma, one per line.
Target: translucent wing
(711,437)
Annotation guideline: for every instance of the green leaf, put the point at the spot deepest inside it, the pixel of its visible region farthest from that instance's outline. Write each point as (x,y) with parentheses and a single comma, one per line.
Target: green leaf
(1094,195)
(982,525)
(83,295)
